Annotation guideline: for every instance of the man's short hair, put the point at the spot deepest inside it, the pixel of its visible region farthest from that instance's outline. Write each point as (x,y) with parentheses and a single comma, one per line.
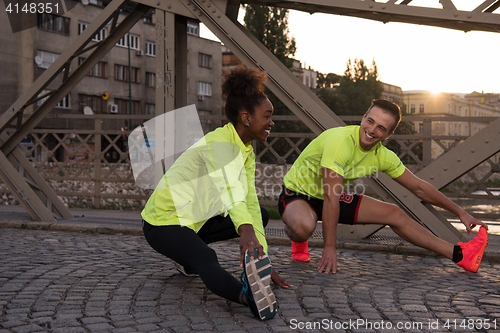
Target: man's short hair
(388,107)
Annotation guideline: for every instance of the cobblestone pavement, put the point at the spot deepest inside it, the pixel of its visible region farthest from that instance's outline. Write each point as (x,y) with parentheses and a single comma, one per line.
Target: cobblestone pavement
(58,281)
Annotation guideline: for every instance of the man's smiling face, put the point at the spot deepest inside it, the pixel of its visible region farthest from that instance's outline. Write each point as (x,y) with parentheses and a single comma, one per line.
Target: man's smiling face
(376,126)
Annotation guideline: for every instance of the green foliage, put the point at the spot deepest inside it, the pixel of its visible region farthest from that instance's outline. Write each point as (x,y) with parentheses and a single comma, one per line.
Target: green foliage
(274,214)
(355,89)
(270,26)
(327,81)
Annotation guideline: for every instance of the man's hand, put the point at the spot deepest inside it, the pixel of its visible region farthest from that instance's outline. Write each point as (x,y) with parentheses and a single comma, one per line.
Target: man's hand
(471,222)
(279,280)
(248,241)
(328,260)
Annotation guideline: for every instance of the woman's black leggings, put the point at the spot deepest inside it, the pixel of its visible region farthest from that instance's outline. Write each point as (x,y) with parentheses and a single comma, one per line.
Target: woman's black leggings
(188,248)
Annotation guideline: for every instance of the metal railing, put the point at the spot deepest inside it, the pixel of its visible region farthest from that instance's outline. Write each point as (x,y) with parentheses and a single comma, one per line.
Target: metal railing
(90,167)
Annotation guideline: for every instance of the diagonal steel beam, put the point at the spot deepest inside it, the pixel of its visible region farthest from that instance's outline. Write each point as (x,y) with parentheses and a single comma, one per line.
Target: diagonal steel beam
(61,63)
(23,192)
(482,18)
(464,157)
(23,180)
(308,108)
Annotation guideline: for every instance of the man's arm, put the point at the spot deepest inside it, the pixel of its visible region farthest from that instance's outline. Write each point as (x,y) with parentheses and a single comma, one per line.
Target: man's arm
(428,193)
(332,184)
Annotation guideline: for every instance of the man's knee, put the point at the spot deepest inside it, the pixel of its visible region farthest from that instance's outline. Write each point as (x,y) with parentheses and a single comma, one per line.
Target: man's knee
(395,215)
(299,233)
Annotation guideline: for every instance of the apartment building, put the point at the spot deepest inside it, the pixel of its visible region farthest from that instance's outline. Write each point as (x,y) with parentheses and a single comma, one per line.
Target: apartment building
(427,104)
(392,93)
(122,82)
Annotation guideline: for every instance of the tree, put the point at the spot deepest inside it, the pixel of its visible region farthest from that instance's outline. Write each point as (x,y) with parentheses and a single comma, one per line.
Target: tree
(270,26)
(328,80)
(358,87)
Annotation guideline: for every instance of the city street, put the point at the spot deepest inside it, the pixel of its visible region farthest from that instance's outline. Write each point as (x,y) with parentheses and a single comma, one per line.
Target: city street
(59,281)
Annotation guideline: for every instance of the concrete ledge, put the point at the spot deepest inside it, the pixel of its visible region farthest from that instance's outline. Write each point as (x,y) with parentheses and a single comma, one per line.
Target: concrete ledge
(88,228)
(136,231)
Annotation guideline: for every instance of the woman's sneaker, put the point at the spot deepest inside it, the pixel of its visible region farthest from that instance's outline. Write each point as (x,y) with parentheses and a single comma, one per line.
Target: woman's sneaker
(185,271)
(473,251)
(256,279)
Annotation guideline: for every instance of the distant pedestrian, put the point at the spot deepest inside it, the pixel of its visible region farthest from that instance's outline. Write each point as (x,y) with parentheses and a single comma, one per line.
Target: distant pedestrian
(209,195)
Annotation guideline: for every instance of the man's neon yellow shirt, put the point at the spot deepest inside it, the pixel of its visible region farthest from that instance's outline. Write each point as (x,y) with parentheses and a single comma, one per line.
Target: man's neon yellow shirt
(338,149)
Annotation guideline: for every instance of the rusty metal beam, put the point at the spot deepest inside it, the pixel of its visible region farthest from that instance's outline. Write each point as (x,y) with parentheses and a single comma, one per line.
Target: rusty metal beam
(444,14)
(464,157)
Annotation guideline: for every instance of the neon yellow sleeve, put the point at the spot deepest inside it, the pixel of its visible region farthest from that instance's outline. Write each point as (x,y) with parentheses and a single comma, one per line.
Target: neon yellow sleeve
(337,153)
(392,166)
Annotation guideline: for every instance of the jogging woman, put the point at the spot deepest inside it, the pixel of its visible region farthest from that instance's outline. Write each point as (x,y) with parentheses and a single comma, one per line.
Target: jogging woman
(209,195)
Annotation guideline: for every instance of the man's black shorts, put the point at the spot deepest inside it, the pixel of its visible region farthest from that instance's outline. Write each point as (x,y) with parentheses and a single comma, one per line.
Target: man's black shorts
(349,204)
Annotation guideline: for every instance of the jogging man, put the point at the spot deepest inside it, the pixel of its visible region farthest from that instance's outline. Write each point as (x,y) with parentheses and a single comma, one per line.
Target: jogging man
(312,191)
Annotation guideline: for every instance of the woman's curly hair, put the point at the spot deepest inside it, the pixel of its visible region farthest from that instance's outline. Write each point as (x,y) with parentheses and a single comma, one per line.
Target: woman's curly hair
(243,89)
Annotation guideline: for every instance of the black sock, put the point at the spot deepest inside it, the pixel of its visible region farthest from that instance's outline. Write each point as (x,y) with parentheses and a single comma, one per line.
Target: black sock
(457,254)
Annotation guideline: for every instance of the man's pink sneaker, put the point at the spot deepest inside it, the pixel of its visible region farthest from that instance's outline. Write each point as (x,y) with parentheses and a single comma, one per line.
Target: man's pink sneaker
(300,251)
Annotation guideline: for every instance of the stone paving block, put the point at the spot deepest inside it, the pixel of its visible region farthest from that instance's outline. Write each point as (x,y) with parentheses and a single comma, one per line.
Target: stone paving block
(12,323)
(180,329)
(124,330)
(68,330)
(93,320)
(146,327)
(27,329)
(42,321)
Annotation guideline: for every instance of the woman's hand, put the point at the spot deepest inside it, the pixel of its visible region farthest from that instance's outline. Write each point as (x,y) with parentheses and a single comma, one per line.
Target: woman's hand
(279,280)
(248,241)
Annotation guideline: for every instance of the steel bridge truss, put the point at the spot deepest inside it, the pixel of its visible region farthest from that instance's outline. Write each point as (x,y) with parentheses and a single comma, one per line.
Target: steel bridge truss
(31,190)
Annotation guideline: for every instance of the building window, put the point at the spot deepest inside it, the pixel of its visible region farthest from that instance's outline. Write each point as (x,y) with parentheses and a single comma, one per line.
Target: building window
(420,128)
(150,49)
(98,37)
(53,23)
(44,59)
(150,80)
(124,104)
(121,73)
(96,103)
(204,88)
(204,60)
(421,108)
(99,70)
(412,108)
(63,104)
(205,121)
(134,41)
(149,109)
(192,28)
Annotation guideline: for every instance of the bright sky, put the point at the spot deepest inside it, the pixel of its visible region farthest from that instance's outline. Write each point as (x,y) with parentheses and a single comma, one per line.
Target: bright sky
(413,57)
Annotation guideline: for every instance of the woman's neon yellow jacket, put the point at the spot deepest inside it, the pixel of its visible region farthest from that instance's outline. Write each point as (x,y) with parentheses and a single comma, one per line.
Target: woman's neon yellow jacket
(215,176)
